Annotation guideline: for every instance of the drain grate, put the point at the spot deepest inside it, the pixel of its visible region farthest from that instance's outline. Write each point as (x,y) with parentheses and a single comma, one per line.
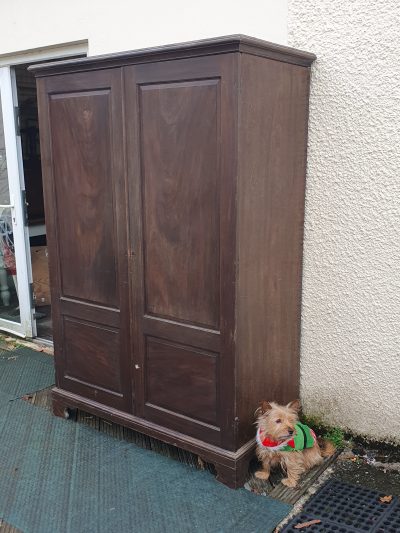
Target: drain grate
(391,522)
(344,508)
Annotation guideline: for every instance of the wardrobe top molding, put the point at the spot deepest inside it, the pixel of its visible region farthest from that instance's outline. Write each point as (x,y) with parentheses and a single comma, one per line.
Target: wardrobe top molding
(203,47)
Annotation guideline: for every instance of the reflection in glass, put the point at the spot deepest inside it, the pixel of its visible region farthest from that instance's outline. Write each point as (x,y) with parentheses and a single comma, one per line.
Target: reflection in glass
(9,303)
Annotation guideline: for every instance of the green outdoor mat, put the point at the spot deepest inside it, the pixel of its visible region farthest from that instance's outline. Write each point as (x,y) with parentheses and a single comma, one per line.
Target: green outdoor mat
(23,371)
(61,476)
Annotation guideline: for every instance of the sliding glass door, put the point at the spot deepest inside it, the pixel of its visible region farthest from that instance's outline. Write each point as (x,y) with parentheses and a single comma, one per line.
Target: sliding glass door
(16,306)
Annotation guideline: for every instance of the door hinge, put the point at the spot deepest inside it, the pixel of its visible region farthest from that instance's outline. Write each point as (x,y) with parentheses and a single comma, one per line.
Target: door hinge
(17,121)
(24,207)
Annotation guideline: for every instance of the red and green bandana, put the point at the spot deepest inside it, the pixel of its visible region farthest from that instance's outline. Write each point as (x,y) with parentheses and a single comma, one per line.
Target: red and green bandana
(304,437)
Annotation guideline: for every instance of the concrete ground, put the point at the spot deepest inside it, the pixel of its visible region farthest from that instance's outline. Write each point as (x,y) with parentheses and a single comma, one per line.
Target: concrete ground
(376,466)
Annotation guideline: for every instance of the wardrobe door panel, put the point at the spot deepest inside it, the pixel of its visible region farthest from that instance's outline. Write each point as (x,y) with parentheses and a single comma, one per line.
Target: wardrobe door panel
(82,171)
(181,173)
(179,147)
(84,181)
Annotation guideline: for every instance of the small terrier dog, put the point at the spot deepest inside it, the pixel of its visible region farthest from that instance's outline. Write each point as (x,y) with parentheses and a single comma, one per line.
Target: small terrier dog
(282,439)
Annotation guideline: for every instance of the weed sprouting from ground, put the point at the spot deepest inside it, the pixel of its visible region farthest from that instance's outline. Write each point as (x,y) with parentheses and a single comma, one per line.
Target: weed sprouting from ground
(336,436)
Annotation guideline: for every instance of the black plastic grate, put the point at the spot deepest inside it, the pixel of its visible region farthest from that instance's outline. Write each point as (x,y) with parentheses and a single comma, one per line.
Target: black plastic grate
(344,508)
(391,522)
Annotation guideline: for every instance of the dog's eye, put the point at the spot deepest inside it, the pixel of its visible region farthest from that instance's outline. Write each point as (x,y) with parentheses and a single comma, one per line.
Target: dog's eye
(278,421)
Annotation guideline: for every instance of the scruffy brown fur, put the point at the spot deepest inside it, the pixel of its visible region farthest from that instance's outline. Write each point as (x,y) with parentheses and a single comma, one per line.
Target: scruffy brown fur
(277,423)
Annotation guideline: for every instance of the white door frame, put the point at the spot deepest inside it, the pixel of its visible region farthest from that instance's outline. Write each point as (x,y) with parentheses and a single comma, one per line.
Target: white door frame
(59,51)
(27,325)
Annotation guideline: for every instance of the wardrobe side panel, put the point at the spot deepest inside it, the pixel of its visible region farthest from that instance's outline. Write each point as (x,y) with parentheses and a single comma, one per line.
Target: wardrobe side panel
(273,110)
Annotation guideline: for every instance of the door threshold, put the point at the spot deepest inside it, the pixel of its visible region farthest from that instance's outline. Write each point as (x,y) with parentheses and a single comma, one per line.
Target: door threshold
(46,342)
(37,344)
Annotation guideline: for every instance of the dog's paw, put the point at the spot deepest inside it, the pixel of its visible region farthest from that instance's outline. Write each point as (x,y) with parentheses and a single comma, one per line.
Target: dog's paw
(289,482)
(262,474)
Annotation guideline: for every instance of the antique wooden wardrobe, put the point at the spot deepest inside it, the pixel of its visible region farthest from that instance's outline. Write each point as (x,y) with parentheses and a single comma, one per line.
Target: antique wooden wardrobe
(174,190)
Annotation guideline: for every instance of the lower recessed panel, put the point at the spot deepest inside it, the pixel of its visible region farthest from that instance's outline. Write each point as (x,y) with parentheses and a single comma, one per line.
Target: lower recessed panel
(182,380)
(92,355)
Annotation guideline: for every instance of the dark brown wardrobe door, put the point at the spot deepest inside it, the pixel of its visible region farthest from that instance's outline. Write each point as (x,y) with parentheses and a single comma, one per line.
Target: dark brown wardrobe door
(180,119)
(86,229)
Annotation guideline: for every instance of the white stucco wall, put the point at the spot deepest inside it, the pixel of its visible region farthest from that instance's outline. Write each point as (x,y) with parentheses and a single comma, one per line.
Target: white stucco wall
(350,357)
(116,25)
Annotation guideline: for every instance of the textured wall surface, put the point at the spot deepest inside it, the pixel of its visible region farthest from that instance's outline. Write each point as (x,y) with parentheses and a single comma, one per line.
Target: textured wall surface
(351,299)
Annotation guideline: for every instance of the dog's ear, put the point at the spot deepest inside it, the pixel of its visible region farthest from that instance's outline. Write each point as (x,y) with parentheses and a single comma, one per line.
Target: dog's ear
(264,407)
(295,405)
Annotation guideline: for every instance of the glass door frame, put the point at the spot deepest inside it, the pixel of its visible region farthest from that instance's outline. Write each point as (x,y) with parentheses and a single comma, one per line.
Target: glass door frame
(26,327)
